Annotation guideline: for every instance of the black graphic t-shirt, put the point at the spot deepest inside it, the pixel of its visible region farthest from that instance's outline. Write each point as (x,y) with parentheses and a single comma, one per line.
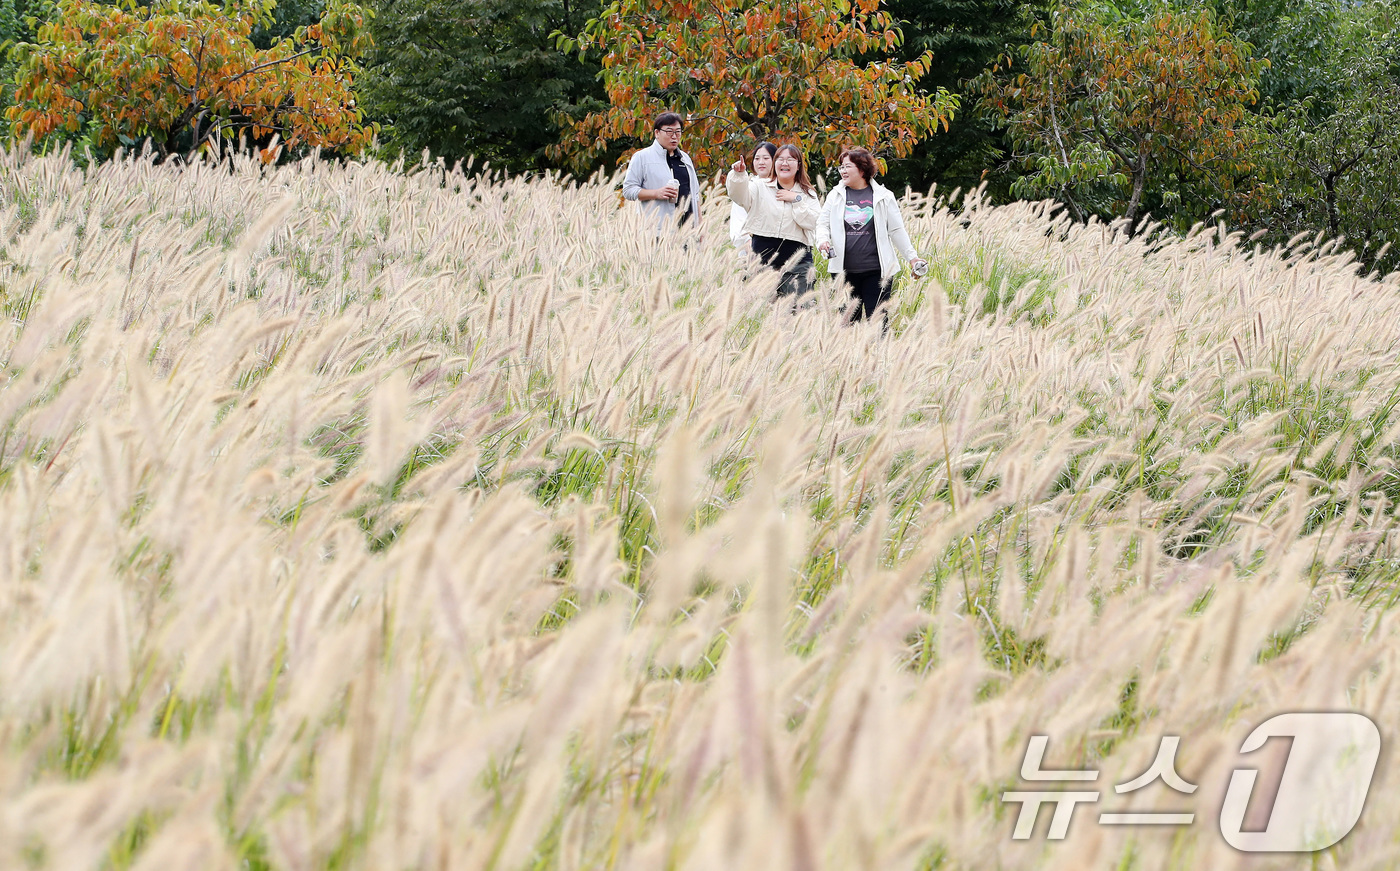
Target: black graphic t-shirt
(861,252)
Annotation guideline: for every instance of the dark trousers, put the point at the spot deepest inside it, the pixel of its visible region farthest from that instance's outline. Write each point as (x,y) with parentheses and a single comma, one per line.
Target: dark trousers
(792,259)
(868,290)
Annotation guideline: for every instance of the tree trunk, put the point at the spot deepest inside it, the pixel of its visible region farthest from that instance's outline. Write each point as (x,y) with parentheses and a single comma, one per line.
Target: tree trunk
(1074,209)
(1139,184)
(1334,220)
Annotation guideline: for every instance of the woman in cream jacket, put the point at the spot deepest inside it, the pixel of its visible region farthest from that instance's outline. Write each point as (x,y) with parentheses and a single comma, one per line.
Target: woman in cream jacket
(862,234)
(781,217)
(762,161)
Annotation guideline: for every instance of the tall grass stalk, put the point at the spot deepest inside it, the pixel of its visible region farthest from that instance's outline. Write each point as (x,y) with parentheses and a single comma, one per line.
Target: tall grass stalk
(354,518)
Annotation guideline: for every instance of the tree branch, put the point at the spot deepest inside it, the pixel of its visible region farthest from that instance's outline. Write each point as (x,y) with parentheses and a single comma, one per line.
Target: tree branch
(272,63)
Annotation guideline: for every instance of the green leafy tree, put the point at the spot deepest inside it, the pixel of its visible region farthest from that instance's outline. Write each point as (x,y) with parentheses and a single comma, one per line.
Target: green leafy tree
(1340,175)
(1331,162)
(963,38)
(1109,113)
(11,24)
(1299,39)
(286,17)
(15,28)
(745,70)
(478,77)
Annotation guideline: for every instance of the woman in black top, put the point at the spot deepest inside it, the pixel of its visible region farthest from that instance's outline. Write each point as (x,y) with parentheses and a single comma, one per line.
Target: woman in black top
(862,234)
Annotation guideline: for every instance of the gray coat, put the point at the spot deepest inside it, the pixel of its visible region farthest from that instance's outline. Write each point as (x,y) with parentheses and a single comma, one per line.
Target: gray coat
(648,169)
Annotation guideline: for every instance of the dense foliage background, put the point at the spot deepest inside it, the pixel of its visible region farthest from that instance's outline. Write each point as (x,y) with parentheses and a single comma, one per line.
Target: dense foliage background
(1305,140)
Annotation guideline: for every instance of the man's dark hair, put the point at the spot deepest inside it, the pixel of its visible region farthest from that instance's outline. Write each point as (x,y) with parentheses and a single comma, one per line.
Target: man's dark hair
(666,119)
(863,160)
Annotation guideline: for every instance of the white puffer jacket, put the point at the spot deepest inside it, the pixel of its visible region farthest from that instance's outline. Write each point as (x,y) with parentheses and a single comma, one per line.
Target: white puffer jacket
(769,216)
(890,235)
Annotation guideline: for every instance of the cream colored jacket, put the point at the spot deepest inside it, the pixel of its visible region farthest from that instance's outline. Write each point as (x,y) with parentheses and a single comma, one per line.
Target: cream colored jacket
(768,216)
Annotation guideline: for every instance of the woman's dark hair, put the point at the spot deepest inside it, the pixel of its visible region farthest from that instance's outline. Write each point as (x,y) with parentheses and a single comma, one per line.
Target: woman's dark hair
(666,119)
(764,146)
(801,177)
(863,160)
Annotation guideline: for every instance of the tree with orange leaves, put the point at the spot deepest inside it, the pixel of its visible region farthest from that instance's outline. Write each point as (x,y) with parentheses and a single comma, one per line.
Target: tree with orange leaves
(747,70)
(1106,112)
(183,74)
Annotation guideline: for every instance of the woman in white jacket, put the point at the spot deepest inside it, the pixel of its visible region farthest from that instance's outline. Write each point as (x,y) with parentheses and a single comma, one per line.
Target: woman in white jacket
(762,160)
(862,234)
(782,216)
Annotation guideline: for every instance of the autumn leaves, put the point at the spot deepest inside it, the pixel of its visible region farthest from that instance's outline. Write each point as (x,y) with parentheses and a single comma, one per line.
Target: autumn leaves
(185,76)
(743,72)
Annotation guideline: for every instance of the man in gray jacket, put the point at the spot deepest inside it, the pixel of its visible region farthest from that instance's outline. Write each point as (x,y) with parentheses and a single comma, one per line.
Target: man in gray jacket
(662,177)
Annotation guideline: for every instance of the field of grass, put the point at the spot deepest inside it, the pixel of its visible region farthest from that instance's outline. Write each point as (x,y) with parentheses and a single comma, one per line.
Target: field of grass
(352,518)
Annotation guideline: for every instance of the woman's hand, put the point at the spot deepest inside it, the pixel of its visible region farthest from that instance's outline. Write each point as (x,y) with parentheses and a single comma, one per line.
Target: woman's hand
(826,248)
(738,165)
(785,196)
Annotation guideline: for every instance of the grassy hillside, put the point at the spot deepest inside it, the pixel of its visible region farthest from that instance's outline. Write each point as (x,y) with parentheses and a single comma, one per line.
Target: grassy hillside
(354,519)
